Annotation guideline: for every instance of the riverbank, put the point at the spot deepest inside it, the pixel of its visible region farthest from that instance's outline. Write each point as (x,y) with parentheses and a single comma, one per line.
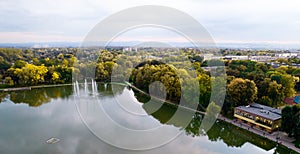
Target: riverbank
(277,136)
(32,87)
(53,85)
(15,89)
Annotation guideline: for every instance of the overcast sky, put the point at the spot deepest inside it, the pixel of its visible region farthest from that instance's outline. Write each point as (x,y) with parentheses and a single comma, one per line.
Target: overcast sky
(226,20)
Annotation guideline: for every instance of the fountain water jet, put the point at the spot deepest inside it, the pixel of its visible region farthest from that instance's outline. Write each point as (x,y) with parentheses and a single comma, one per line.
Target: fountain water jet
(105,86)
(96,88)
(93,87)
(77,88)
(85,86)
(74,88)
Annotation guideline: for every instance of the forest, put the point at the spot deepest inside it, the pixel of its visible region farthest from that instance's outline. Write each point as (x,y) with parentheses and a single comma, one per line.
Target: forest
(247,81)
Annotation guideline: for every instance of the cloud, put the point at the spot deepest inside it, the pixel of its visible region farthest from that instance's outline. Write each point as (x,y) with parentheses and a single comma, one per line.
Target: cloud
(246,21)
(19,37)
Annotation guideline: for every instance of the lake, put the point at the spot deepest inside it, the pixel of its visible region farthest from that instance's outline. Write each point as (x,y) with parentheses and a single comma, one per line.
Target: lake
(112,119)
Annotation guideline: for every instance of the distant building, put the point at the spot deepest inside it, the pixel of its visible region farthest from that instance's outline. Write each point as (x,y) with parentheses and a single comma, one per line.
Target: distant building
(286,55)
(262,58)
(211,56)
(208,56)
(260,116)
(234,57)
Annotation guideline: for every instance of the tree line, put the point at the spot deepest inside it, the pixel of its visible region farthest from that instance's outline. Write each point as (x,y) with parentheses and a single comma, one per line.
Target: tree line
(247,81)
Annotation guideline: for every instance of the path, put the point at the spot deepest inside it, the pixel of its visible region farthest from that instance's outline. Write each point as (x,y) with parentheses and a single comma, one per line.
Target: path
(278,136)
(32,87)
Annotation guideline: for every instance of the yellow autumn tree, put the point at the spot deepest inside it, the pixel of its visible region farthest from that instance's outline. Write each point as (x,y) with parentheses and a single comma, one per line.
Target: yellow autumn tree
(55,77)
(31,74)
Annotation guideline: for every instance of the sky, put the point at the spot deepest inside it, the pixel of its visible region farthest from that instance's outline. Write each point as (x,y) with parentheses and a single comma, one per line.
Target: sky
(227,21)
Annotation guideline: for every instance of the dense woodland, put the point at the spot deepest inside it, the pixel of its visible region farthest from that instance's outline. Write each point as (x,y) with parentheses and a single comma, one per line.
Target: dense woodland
(246,81)
(25,67)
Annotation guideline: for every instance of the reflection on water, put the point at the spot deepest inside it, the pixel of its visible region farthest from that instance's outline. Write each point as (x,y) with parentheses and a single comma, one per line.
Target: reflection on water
(229,134)
(37,97)
(25,129)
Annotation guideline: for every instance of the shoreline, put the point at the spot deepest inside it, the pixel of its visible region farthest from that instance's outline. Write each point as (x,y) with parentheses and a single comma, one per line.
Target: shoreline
(48,86)
(283,140)
(32,87)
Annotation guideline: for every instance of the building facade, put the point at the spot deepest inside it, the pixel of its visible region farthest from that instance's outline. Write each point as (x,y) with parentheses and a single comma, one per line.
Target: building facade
(260,116)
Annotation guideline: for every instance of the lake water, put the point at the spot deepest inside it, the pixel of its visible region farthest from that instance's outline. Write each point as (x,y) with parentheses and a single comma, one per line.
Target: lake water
(111,122)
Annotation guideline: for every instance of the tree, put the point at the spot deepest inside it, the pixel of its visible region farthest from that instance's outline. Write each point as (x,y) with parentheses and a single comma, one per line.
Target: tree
(101,73)
(35,61)
(4,65)
(212,111)
(30,74)
(205,89)
(65,62)
(290,120)
(270,93)
(19,64)
(198,58)
(9,81)
(287,81)
(65,73)
(282,61)
(242,92)
(146,74)
(275,93)
(55,77)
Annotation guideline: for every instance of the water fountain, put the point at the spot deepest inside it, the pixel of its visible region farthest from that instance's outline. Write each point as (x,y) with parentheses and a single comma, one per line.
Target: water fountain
(86,90)
(74,88)
(77,87)
(85,87)
(96,88)
(93,87)
(105,86)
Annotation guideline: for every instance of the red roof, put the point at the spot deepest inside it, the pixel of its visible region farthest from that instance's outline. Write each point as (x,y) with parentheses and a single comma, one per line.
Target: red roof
(289,101)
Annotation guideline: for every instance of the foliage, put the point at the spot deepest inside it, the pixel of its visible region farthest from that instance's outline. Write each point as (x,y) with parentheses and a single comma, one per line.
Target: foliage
(270,93)
(29,74)
(287,81)
(242,91)
(291,120)
(28,67)
(166,74)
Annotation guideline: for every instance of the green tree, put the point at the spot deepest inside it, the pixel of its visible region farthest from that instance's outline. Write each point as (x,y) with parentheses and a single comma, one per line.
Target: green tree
(65,73)
(205,89)
(270,93)
(290,120)
(145,74)
(242,92)
(9,81)
(212,111)
(4,65)
(19,64)
(287,81)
